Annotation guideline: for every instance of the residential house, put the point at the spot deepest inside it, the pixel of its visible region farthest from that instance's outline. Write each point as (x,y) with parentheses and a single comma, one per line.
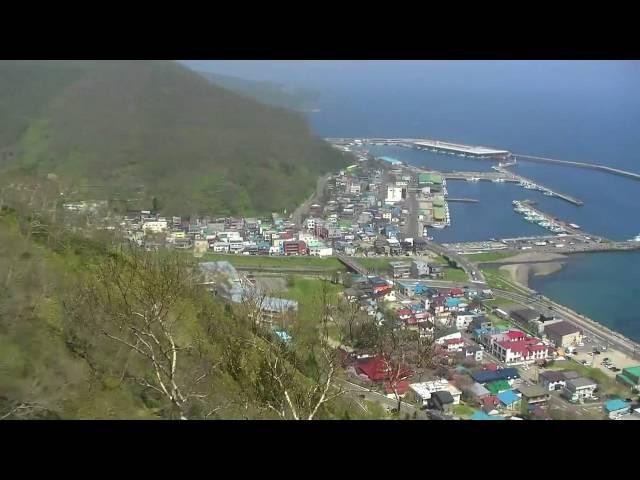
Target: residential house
(486,376)
(563,334)
(422,392)
(498,386)
(509,400)
(552,380)
(481,415)
(475,392)
(456,292)
(445,334)
(419,269)
(616,408)
(442,400)
(479,322)
(490,404)
(452,303)
(376,369)
(453,344)
(473,352)
(534,395)
(401,388)
(579,389)
(464,319)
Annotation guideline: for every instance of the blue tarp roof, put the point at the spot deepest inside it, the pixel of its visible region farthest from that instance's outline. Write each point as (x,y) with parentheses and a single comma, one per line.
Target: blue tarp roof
(480,415)
(485,376)
(508,397)
(452,302)
(615,404)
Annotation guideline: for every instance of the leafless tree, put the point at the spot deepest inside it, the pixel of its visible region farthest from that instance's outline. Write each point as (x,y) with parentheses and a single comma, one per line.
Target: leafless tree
(286,387)
(135,300)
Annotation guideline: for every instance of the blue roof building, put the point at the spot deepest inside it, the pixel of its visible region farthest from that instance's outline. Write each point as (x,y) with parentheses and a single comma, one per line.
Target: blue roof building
(452,302)
(508,398)
(486,376)
(480,415)
(616,407)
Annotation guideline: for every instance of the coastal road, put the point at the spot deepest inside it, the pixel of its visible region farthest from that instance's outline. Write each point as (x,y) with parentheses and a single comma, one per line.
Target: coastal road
(598,331)
(546,306)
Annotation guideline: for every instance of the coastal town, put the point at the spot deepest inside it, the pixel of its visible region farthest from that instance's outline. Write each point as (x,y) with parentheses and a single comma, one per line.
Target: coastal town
(468,344)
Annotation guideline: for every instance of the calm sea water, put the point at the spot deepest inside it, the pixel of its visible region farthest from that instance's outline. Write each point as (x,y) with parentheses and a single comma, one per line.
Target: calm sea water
(584,111)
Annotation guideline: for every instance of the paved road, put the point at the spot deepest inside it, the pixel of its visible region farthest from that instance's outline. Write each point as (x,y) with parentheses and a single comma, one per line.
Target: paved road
(303,209)
(471,269)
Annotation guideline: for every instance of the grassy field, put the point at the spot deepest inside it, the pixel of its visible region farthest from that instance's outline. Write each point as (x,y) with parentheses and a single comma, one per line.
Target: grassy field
(500,280)
(454,275)
(330,263)
(489,256)
(497,321)
(462,410)
(374,264)
(500,303)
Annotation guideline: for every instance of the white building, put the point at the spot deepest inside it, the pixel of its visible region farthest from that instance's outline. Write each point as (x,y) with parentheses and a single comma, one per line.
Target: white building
(422,391)
(579,389)
(394,194)
(320,251)
(155,226)
(463,320)
(310,223)
(221,247)
(355,188)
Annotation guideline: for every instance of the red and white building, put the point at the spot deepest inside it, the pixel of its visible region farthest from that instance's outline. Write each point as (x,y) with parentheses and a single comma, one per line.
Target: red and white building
(454,344)
(516,347)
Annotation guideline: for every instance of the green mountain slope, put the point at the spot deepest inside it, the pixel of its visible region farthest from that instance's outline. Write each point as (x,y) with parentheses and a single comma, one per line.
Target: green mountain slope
(135,130)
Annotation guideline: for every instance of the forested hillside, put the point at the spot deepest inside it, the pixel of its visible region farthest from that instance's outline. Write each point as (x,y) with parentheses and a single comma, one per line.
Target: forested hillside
(131,131)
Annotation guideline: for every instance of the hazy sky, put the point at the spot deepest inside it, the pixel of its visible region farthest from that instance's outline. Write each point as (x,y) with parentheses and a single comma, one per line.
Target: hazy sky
(398,74)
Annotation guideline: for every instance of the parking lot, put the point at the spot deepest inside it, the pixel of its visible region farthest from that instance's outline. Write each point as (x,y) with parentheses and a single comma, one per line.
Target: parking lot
(613,358)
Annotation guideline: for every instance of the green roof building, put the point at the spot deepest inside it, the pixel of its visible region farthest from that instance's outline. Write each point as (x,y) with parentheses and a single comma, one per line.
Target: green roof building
(630,376)
(498,386)
(438,214)
(438,202)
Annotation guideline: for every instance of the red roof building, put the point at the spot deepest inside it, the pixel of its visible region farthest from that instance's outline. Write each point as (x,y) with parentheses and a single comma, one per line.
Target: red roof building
(456,292)
(376,369)
(402,387)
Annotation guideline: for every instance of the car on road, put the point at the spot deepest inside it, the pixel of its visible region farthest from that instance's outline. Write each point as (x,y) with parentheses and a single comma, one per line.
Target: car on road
(596,352)
(615,369)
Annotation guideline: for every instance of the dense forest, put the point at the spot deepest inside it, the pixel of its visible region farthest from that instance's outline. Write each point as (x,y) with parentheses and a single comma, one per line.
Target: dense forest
(132,131)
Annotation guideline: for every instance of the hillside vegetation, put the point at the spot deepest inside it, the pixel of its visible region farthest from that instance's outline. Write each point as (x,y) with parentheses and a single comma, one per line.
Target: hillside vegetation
(91,330)
(131,131)
(267,92)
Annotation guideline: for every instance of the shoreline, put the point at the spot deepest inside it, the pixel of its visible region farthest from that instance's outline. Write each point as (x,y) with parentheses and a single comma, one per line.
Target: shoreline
(581,320)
